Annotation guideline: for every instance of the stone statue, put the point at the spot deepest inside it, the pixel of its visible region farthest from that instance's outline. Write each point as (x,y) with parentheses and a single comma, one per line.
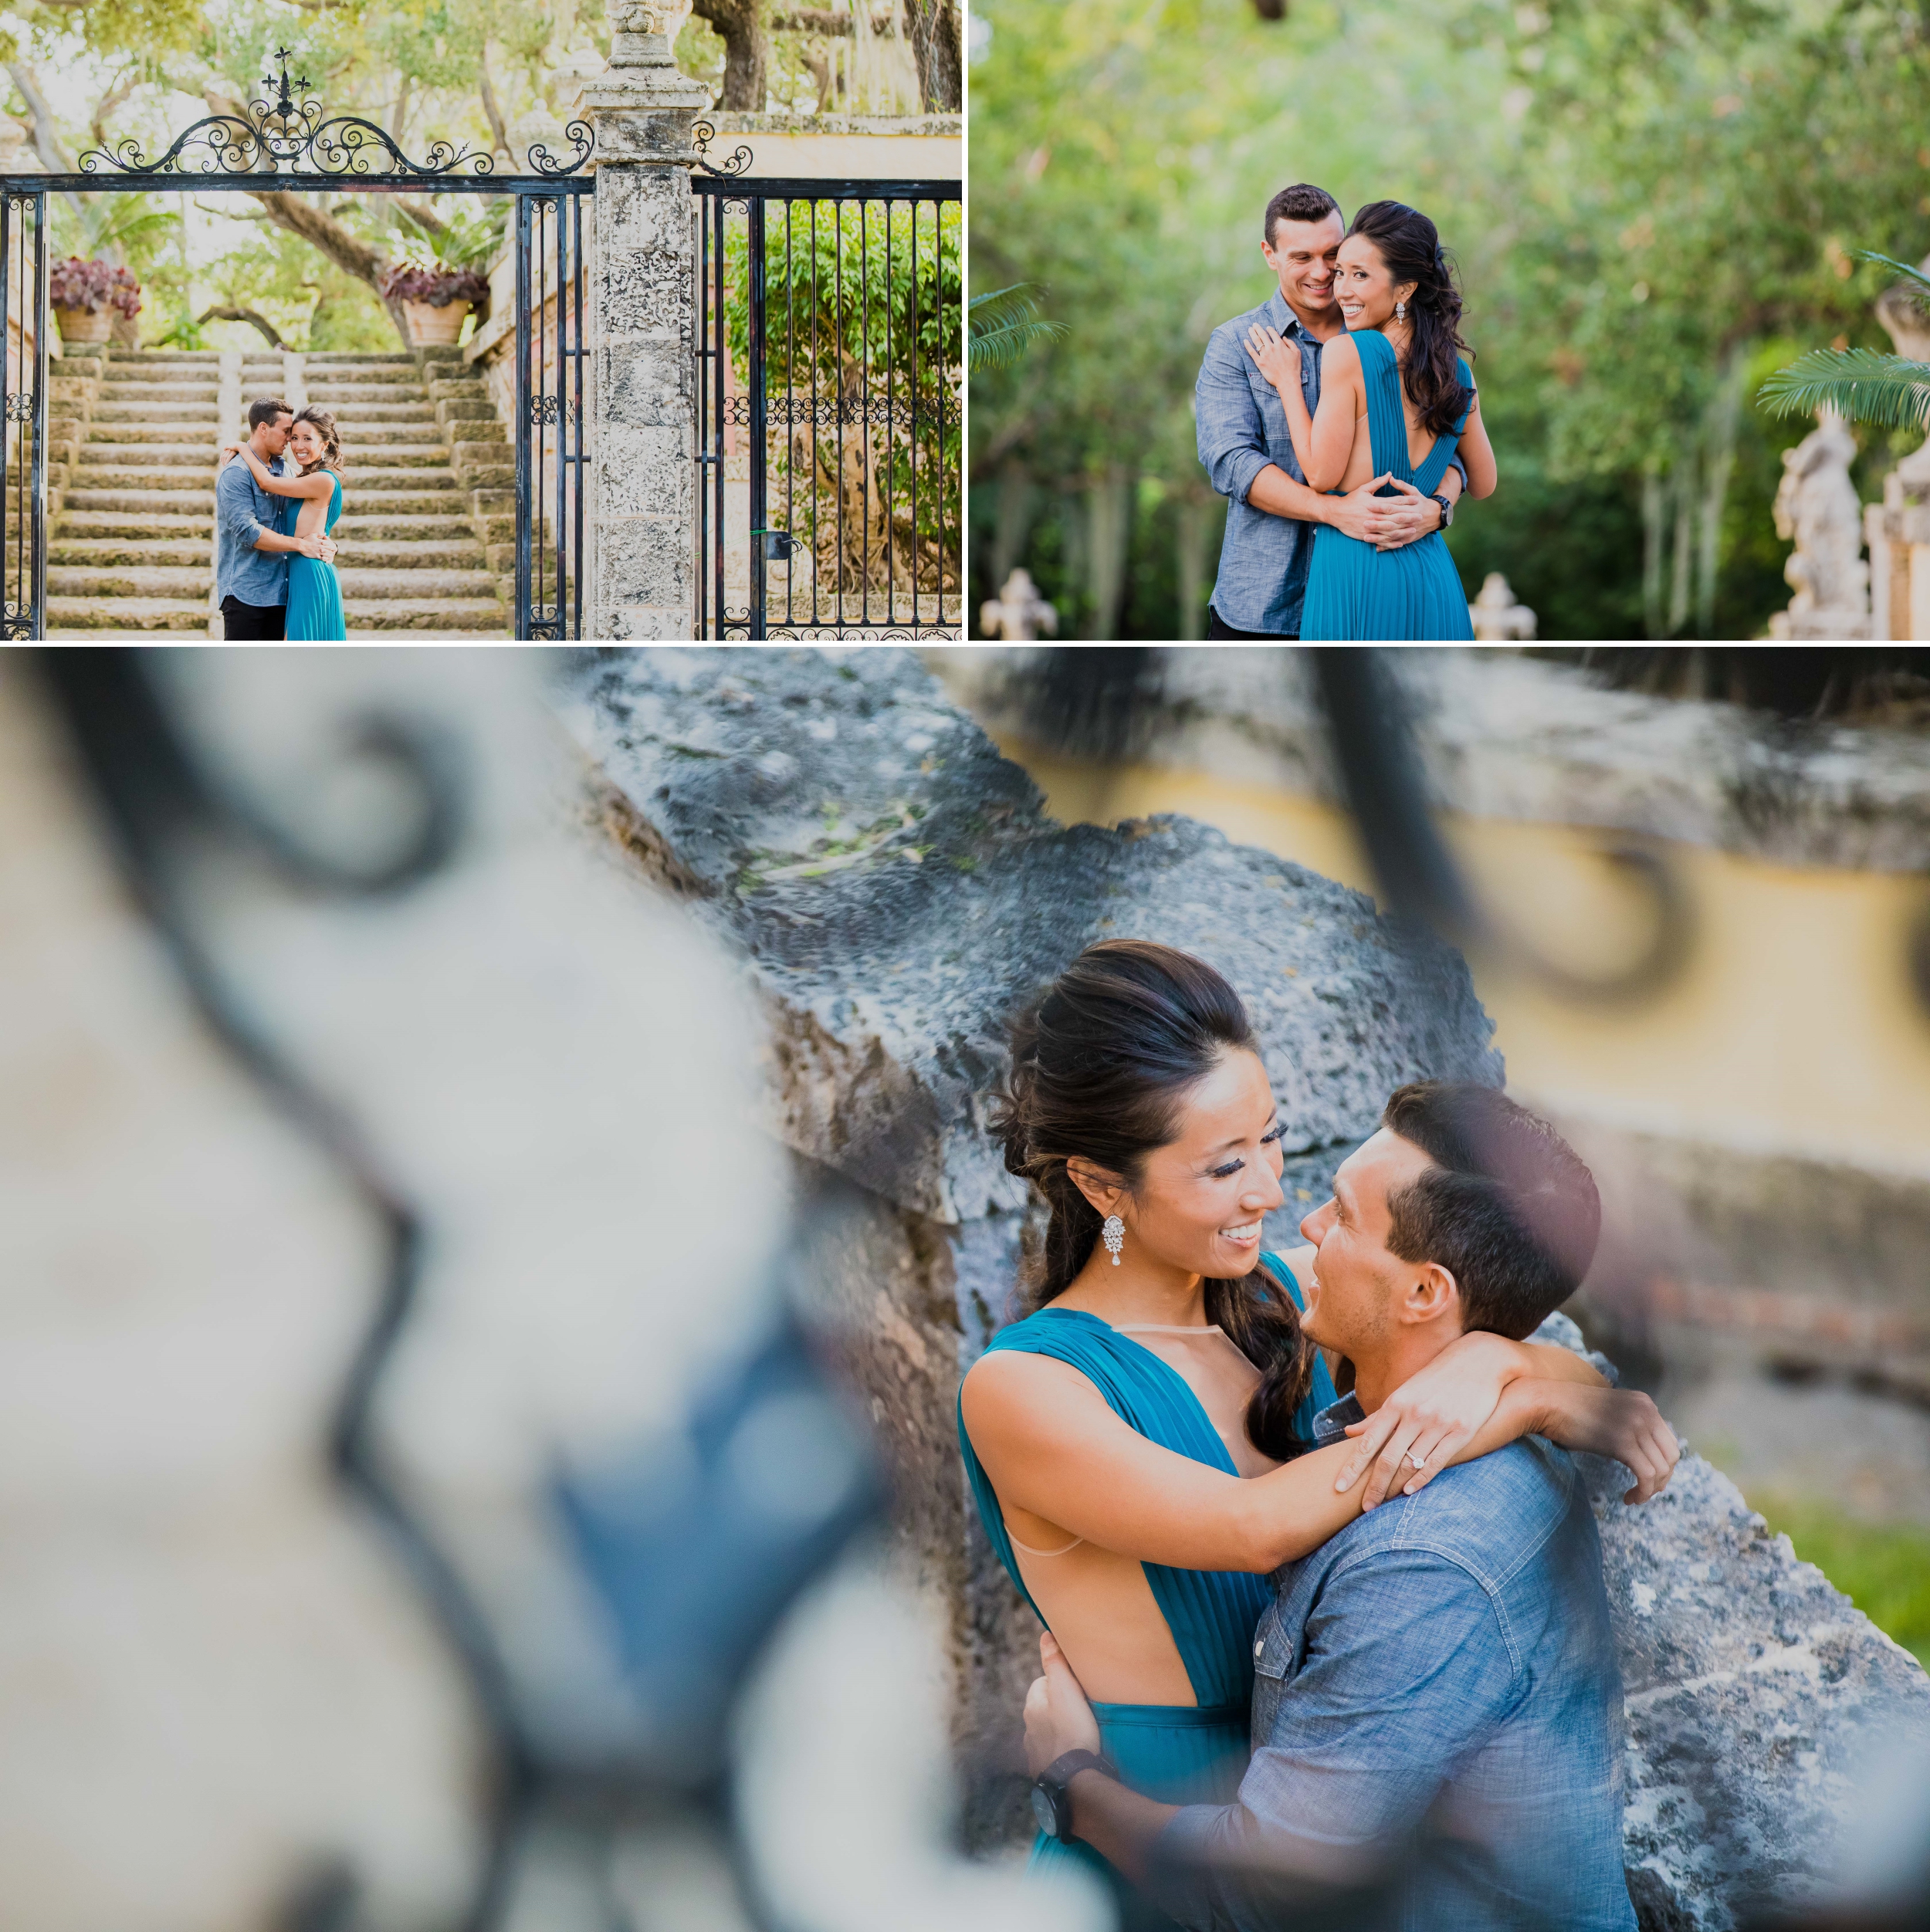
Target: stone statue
(1496,614)
(1018,612)
(1817,505)
(1899,528)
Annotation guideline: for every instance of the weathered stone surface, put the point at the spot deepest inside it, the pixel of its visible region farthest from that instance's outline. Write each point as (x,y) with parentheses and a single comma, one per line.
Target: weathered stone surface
(896,892)
(646,292)
(901,893)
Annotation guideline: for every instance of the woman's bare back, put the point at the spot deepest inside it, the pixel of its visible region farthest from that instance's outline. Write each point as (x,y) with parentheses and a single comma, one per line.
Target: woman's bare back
(1360,459)
(1098,1603)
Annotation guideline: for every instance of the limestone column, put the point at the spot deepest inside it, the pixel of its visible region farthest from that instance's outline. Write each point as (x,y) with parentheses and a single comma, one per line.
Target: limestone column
(638,326)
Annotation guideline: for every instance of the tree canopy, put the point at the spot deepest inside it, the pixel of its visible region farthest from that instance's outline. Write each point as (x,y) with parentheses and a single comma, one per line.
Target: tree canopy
(1653,203)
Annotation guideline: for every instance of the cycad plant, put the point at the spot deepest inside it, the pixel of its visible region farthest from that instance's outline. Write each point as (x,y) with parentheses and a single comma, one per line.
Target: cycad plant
(1002,326)
(1864,385)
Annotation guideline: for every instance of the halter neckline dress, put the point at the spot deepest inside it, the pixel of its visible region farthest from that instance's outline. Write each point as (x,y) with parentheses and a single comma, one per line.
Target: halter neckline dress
(1354,590)
(1175,1753)
(314,593)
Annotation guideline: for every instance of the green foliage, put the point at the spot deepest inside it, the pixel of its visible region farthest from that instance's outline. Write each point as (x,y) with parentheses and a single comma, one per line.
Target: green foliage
(1640,196)
(857,302)
(470,238)
(1002,325)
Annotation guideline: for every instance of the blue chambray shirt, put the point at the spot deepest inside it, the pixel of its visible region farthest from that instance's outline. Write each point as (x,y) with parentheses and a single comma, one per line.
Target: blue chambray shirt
(1436,1684)
(1241,427)
(242,510)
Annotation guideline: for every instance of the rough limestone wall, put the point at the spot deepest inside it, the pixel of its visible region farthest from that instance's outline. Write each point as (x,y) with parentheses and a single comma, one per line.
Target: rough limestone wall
(895,893)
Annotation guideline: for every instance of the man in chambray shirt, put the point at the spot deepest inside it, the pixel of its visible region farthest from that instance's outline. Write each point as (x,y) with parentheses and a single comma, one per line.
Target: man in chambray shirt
(1437,1720)
(1248,454)
(252,540)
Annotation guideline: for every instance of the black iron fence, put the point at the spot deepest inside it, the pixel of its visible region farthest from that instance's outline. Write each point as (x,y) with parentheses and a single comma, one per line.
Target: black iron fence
(550,412)
(830,414)
(23,412)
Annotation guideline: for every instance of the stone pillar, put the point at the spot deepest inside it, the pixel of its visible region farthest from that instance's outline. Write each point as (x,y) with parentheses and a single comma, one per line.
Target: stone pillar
(638,326)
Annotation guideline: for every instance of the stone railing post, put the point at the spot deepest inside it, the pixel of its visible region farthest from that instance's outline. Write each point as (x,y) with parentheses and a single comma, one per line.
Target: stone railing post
(638,327)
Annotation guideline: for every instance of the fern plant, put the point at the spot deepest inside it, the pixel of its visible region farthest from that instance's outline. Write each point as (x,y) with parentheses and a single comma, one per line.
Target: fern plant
(1864,385)
(1002,326)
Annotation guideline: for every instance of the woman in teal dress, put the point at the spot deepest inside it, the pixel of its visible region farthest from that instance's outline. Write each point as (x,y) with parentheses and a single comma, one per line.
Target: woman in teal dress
(1139,1446)
(1397,402)
(314,595)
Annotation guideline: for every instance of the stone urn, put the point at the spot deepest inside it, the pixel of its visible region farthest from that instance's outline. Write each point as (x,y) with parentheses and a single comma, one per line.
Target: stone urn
(433,299)
(83,325)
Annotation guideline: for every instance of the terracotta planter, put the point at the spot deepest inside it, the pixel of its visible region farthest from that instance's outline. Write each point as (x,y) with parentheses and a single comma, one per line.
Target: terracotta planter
(84,325)
(430,327)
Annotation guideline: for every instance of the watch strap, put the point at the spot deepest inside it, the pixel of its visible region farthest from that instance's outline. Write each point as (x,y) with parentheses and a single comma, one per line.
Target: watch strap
(1446,509)
(1051,1784)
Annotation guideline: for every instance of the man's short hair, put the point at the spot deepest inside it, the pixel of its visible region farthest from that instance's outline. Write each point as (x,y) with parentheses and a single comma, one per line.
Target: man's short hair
(1507,1208)
(1301,202)
(264,410)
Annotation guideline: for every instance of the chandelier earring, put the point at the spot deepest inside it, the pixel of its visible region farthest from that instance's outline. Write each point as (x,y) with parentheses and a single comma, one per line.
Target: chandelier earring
(1400,312)
(1113,1234)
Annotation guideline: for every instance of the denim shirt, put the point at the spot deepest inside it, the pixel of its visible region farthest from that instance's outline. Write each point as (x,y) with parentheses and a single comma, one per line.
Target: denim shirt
(1241,426)
(1437,1709)
(242,510)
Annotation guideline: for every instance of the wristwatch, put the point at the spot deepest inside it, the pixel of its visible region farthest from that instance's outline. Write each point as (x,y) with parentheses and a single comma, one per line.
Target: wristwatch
(1446,509)
(1051,1802)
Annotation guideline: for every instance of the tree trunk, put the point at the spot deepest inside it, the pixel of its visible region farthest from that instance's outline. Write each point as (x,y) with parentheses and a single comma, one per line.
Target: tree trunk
(932,26)
(746,51)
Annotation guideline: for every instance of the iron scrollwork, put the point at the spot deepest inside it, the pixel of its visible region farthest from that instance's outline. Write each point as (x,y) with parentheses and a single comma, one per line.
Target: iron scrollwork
(285,135)
(20,406)
(737,162)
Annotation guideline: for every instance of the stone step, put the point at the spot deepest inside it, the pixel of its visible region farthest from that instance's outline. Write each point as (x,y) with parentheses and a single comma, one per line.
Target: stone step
(119,580)
(414,455)
(66,612)
(376,582)
(87,522)
(161,435)
(353,384)
(366,552)
(484,614)
(400,528)
(127,476)
(207,393)
(207,361)
(132,551)
(386,434)
(107,496)
(327,358)
(385,412)
(183,455)
(196,411)
(364,479)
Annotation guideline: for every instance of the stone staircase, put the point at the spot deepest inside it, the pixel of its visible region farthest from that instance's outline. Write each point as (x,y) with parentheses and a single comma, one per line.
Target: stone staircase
(427,534)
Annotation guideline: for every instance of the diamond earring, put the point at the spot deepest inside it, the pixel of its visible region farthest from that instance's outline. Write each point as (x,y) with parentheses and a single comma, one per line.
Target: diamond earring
(1113,1235)
(1400,312)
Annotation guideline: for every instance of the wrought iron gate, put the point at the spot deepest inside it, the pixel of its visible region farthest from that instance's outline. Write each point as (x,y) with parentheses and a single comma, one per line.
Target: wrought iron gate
(829,351)
(284,143)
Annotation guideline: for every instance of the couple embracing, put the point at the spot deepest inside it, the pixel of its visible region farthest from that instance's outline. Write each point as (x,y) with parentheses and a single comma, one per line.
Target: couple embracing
(1323,1596)
(275,574)
(1340,422)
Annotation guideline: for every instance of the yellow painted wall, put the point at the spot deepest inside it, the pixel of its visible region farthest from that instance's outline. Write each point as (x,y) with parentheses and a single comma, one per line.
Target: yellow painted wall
(1792,1030)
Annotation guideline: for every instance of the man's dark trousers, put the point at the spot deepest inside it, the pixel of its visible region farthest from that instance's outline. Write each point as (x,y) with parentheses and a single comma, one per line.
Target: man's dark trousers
(252,623)
(1217,627)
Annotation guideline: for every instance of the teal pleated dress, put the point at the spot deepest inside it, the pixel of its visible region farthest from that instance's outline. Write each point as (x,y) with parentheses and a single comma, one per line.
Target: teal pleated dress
(1175,1753)
(1354,590)
(314,596)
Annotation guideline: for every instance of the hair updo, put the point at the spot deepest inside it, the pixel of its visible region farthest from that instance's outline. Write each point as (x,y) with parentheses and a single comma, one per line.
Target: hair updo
(323,421)
(1101,1065)
(1409,244)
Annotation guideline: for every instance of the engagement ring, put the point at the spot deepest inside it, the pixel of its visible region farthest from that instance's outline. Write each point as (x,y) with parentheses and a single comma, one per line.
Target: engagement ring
(1420,1462)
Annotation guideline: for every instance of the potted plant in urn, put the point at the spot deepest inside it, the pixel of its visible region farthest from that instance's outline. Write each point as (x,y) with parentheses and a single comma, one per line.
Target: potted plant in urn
(82,294)
(441,273)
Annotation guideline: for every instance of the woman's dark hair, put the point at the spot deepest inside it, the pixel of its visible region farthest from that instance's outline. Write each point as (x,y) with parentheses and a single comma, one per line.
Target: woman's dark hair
(1410,246)
(322,422)
(1101,1067)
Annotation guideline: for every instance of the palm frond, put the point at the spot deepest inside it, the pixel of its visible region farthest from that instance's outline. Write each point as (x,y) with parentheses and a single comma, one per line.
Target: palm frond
(1002,324)
(1863,384)
(1920,291)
